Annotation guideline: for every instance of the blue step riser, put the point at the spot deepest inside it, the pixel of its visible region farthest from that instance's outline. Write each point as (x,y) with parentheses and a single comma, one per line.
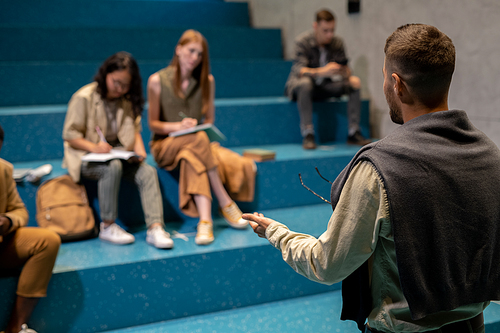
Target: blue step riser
(277,186)
(278,183)
(96,44)
(32,137)
(33,13)
(55,82)
(144,292)
(267,124)
(38,136)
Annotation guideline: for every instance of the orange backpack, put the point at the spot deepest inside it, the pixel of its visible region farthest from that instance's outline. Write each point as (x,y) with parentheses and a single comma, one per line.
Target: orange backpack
(62,206)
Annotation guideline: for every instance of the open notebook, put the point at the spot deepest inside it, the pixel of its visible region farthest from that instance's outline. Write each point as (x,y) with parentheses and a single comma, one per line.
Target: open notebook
(113,155)
(213,132)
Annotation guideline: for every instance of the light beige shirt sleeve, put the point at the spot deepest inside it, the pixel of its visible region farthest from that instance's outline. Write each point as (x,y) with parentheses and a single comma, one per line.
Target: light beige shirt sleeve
(351,235)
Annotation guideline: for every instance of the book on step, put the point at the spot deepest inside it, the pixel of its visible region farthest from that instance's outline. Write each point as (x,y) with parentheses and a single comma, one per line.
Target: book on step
(213,132)
(112,155)
(259,155)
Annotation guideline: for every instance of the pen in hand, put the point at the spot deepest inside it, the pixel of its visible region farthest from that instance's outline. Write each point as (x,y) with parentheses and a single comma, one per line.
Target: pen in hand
(102,146)
(101,136)
(187,121)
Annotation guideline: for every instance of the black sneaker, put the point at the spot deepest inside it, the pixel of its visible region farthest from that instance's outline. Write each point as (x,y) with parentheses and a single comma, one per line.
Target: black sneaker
(308,142)
(358,139)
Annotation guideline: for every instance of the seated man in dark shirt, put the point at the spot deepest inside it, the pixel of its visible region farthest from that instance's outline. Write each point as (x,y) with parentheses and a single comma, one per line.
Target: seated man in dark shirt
(320,71)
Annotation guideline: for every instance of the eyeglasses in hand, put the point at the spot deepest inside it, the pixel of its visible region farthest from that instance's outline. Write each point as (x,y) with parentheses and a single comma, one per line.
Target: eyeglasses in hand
(316,194)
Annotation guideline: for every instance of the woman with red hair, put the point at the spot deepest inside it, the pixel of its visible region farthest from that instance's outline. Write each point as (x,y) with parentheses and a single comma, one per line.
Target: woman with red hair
(181,96)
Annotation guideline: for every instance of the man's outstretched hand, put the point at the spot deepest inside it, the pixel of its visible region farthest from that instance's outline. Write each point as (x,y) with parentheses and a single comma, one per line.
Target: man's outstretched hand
(258,222)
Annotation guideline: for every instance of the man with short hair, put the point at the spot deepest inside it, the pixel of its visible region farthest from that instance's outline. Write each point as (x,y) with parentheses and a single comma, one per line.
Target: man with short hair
(414,233)
(320,71)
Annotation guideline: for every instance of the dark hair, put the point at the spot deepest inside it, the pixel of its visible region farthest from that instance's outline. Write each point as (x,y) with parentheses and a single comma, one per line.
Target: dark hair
(325,15)
(424,58)
(200,73)
(1,135)
(117,62)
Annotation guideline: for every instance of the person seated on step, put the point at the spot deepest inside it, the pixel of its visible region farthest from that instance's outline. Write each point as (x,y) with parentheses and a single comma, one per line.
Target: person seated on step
(30,248)
(320,71)
(181,96)
(414,234)
(105,115)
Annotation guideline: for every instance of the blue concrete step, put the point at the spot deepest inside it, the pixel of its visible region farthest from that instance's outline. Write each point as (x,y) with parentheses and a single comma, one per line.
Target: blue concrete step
(145,43)
(75,13)
(239,281)
(275,120)
(277,183)
(33,138)
(98,286)
(245,122)
(308,314)
(40,82)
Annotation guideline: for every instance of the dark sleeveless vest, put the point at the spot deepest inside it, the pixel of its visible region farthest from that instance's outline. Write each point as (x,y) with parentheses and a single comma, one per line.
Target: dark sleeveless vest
(442,177)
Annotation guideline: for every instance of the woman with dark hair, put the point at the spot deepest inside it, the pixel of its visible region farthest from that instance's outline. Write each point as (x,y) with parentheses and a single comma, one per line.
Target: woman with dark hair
(105,115)
(180,96)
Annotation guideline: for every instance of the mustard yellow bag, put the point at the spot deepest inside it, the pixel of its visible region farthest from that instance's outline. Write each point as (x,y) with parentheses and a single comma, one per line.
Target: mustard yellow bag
(62,206)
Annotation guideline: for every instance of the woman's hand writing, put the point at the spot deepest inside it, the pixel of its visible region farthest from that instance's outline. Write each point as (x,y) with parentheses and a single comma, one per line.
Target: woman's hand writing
(188,123)
(101,148)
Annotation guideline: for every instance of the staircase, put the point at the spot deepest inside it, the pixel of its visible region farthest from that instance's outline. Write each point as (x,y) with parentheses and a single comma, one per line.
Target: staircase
(239,283)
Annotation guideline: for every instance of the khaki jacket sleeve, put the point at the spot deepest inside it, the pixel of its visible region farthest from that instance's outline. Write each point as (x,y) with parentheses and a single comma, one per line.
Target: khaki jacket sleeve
(11,204)
(75,123)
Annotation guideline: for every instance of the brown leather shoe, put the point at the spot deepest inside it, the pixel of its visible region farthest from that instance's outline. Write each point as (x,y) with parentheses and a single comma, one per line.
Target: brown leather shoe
(308,142)
(358,139)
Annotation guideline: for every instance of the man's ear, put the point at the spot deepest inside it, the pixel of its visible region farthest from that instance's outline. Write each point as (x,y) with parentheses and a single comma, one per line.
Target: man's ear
(401,89)
(398,84)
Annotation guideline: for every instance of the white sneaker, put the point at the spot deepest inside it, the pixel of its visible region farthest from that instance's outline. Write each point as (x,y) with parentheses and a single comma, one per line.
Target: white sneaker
(25,329)
(159,238)
(205,234)
(116,235)
(232,214)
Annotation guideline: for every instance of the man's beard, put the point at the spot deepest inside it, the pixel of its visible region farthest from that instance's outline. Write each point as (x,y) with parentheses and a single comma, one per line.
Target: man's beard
(396,116)
(394,110)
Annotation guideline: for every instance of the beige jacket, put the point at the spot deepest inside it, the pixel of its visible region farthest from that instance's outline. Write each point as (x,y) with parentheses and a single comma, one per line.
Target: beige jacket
(11,204)
(86,111)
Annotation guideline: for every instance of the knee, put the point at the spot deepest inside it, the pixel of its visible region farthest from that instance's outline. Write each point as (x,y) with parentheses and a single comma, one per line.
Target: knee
(304,85)
(50,240)
(149,171)
(115,168)
(355,82)
(202,138)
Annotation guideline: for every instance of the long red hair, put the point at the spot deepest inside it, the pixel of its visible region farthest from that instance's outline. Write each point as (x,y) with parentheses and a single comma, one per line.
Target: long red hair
(200,73)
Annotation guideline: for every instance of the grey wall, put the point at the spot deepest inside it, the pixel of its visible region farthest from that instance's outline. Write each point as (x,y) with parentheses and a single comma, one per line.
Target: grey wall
(473,25)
